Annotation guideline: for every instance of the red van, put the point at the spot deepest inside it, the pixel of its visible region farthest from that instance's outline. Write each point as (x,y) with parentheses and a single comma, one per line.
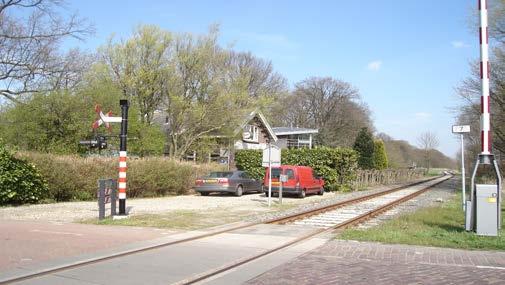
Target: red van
(301,181)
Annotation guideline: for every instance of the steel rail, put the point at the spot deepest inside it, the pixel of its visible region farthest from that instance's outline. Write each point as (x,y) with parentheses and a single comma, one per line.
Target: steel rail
(302,215)
(341,226)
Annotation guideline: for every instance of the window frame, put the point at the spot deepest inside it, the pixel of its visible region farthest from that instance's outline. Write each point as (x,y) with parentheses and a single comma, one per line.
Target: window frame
(254,131)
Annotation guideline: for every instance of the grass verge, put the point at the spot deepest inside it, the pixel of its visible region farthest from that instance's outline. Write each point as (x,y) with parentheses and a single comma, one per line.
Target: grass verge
(181,220)
(440,226)
(185,219)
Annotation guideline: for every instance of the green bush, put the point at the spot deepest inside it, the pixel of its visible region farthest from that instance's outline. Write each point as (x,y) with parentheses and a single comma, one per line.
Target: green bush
(20,182)
(380,157)
(249,160)
(337,166)
(365,147)
(73,178)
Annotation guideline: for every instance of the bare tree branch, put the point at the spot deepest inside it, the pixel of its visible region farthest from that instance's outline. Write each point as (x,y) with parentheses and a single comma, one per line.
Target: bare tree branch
(428,141)
(29,57)
(330,105)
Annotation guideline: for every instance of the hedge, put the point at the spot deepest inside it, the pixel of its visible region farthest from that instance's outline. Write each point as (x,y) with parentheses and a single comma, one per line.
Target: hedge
(75,178)
(337,166)
(20,181)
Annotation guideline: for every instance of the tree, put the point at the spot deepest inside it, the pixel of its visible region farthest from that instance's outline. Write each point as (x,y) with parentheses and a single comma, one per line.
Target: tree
(56,121)
(364,146)
(140,66)
(380,157)
(52,122)
(330,105)
(197,88)
(496,20)
(29,46)
(265,87)
(427,141)
(401,154)
(202,98)
(257,74)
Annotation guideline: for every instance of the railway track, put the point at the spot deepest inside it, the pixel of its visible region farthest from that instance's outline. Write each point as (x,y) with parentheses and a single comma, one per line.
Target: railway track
(328,220)
(314,212)
(335,217)
(324,219)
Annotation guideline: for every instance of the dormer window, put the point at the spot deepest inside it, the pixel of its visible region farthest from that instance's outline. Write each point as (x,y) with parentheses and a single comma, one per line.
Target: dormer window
(251,133)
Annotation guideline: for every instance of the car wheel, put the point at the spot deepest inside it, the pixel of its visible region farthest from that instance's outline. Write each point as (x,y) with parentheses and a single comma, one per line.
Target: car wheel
(321,191)
(302,194)
(238,193)
(204,193)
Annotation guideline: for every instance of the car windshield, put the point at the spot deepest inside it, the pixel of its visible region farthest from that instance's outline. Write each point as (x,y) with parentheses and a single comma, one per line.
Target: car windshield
(220,174)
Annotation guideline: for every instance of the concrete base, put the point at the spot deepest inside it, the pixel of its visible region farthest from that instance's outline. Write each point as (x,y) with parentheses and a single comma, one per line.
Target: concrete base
(120,217)
(468,216)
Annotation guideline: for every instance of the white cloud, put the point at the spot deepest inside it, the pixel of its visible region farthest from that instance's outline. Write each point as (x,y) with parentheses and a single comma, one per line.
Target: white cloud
(459,44)
(374,65)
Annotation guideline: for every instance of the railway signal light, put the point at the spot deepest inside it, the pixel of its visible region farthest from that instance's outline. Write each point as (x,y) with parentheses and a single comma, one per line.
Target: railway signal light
(102,142)
(99,142)
(89,143)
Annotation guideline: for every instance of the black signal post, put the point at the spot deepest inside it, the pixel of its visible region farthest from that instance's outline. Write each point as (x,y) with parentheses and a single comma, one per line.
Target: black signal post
(122,156)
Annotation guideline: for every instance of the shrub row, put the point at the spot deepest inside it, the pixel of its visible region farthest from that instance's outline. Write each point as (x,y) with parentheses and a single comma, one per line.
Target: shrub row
(20,182)
(75,178)
(337,166)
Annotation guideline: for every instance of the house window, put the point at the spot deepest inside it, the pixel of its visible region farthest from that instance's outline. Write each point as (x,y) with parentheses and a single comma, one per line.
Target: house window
(251,133)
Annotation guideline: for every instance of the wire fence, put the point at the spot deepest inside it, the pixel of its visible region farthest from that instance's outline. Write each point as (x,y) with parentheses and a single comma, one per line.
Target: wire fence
(366,178)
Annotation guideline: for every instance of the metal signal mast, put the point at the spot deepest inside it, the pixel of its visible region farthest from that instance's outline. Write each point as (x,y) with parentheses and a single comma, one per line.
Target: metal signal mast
(485,72)
(483,210)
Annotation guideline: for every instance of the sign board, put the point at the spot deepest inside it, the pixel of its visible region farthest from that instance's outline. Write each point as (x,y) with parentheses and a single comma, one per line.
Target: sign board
(105,118)
(272,154)
(283,178)
(461,129)
(106,194)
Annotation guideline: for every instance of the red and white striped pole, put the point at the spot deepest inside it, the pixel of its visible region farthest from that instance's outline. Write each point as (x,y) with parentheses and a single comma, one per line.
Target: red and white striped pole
(122,157)
(485,118)
(122,181)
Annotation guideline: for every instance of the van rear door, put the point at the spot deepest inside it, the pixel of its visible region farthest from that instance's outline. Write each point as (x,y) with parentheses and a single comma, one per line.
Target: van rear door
(311,182)
(290,173)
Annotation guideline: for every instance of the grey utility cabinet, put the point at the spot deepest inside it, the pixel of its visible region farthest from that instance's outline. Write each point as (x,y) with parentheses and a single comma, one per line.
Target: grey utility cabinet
(486,209)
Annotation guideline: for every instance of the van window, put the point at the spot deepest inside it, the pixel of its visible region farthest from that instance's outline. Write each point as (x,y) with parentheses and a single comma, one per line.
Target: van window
(276,172)
(290,173)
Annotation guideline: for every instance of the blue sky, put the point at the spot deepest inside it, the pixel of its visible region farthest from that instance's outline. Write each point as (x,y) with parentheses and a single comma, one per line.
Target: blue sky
(405,57)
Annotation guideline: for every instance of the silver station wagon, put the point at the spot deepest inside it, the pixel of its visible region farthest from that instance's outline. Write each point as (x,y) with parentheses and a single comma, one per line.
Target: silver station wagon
(237,182)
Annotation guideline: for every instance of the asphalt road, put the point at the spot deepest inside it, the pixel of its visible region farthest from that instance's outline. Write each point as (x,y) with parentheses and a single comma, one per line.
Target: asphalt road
(27,243)
(182,261)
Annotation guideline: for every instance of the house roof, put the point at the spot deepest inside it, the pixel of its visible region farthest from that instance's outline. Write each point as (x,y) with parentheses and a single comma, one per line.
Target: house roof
(283,131)
(263,120)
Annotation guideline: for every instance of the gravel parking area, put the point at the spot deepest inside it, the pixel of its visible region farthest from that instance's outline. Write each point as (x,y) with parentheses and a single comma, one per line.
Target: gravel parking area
(255,203)
(76,211)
